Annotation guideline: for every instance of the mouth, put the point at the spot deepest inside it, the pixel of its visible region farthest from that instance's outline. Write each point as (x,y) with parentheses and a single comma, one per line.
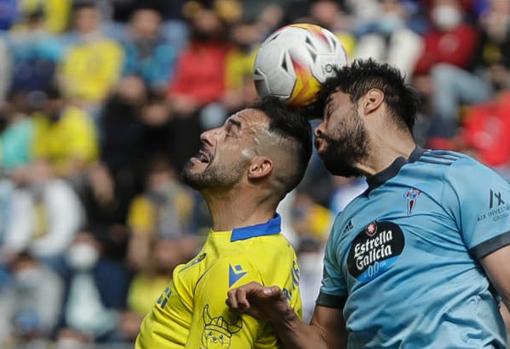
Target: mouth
(202,157)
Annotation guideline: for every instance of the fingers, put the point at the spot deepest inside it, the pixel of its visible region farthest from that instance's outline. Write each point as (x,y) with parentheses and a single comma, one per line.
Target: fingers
(237,300)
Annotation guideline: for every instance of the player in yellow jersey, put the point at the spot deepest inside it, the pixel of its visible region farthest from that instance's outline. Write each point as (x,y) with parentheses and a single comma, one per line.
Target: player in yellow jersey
(243,170)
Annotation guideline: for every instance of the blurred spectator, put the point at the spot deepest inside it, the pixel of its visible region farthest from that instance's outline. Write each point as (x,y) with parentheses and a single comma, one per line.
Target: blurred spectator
(16,139)
(147,54)
(8,13)
(96,291)
(65,136)
(198,87)
(123,142)
(93,63)
(390,40)
(449,48)
(45,214)
(329,14)
(55,13)
(163,211)
(240,89)
(451,40)
(30,304)
(35,52)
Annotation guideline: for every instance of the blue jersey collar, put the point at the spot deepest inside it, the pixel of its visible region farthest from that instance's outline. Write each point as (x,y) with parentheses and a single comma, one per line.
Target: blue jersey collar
(271,227)
(391,171)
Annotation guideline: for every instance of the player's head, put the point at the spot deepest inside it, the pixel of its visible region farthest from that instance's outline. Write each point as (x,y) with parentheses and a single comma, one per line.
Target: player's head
(357,105)
(266,146)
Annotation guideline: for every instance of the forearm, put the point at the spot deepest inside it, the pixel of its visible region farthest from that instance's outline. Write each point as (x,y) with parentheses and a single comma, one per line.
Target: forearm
(295,334)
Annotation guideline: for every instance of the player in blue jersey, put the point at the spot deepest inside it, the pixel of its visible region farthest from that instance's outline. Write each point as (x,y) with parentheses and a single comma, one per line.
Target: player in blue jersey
(419,260)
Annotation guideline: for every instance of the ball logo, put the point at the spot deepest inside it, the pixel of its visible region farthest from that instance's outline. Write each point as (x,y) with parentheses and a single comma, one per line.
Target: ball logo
(328,68)
(374,250)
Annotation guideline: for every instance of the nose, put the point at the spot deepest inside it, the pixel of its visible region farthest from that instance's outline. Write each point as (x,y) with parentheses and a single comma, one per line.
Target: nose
(206,136)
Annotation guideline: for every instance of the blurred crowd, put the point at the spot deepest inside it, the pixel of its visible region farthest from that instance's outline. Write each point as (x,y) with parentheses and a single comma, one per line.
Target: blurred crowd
(102,102)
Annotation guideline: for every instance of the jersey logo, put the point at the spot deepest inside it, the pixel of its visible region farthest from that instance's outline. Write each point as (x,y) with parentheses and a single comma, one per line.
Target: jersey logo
(348,227)
(411,195)
(493,197)
(234,274)
(218,332)
(374,250)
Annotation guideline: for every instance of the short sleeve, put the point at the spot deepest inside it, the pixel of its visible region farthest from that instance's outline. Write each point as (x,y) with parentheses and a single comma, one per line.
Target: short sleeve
(333,292)
(479,200)
(212,321)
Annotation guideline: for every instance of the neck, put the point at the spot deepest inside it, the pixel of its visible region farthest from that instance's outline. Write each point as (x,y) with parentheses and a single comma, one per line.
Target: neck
(237,208)
(384,148)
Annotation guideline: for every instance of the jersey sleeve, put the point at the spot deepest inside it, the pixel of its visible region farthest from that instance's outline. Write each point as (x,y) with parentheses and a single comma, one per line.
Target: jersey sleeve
(479,200)
(213,325)
(333,292)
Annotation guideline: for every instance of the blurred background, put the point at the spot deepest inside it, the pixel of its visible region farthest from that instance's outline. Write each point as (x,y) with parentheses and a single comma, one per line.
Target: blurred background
(102,102)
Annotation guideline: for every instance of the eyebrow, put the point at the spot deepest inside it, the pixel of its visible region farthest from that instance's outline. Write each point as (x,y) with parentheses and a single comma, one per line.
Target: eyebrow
(234,123)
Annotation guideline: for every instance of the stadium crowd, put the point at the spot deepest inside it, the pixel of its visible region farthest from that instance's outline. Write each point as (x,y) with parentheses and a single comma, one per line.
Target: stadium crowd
(102,102)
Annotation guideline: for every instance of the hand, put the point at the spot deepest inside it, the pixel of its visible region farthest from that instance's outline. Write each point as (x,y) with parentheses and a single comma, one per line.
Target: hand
(263,303)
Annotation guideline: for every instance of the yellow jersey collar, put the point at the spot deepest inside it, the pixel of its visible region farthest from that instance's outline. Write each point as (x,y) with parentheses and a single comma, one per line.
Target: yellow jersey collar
(271,227)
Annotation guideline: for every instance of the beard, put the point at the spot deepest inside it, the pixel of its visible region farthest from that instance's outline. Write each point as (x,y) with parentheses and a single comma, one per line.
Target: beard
(212,177)
(347,147)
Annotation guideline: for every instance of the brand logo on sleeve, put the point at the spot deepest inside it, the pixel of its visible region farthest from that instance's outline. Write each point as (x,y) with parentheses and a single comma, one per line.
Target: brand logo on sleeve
(234,274)
(374,250)
(495,199)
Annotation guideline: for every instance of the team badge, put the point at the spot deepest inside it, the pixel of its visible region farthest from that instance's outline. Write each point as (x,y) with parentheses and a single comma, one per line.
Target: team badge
(411,196)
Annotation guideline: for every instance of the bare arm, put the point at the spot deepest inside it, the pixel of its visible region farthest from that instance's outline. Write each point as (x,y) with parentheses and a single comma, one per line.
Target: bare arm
(326,330)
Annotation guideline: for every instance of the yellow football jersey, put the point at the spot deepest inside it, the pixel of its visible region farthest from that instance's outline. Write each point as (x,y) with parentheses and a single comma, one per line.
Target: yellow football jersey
(191,312)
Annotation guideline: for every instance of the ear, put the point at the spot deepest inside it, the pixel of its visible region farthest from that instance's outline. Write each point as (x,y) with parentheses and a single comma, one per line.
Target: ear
(260,167)
(372,101)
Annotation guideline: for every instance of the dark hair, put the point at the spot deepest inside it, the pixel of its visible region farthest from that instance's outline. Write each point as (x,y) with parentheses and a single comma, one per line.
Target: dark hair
(357,79)
(289,123)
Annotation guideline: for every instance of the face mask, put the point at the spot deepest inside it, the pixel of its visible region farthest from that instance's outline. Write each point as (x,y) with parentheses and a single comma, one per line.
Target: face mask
(27,278)
(446,17)
(82,256)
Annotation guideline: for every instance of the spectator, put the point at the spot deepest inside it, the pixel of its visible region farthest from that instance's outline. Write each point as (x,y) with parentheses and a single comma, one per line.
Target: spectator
(93,63)
(163,211)
(35,53)
(65,136)
(16,139)
(45,214)
(449,48)
(30,304)
(96,291)
(240,90)
(451,40)
(147,53)
(390,40)
(196,92)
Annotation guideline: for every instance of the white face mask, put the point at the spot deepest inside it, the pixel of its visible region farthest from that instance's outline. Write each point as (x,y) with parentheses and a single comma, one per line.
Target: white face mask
(27,278)
(446,17)
(82,256)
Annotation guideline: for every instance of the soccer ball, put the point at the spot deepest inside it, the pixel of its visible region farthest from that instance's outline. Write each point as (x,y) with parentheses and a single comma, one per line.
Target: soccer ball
(294,60)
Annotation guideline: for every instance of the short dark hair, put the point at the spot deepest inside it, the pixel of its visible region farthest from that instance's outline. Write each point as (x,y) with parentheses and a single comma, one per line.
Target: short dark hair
(289,123)
(357,79)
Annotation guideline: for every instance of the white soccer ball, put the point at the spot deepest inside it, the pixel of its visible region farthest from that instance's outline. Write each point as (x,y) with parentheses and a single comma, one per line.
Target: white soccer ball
(294,60)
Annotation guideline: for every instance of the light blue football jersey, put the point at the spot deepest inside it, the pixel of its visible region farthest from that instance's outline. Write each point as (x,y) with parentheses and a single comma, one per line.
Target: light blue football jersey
(402,258)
